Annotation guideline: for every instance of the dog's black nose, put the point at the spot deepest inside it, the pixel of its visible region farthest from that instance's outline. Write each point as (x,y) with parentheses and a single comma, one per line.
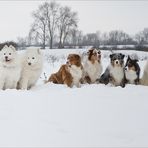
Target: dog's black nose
(67,63)
(6,57)
(117,62)
(29,63)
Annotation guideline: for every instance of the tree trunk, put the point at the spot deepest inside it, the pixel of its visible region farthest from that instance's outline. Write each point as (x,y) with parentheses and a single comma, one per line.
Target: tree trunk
(60,42)
(44,38)
(51,42)
(63,43)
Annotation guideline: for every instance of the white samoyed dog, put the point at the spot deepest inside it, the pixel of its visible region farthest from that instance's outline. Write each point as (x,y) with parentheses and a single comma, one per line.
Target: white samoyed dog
(10,67)
(32,65)
(144,79)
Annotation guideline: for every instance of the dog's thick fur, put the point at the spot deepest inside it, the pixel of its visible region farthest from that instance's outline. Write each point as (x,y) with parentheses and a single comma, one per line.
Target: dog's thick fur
(114,73)
(92,66)
(132,71)
(144,79)
(10,68)
(70,73)
(32,64)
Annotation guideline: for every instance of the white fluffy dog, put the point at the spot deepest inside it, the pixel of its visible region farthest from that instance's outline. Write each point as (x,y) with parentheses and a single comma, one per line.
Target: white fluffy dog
(10,68)
(144,79)
(32,65)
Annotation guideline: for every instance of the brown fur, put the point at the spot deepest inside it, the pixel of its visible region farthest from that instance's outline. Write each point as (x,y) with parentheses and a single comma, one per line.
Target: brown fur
(74,59)
(63,76)
(87,79)
(132,68)
(93,56)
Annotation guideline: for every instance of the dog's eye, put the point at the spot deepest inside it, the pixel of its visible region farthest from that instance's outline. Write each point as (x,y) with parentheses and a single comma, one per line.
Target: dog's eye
(9,53)
(4,53)
(33,58)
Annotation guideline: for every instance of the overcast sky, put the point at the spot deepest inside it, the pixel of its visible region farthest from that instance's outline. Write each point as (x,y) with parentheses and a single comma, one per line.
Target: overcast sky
(129,16)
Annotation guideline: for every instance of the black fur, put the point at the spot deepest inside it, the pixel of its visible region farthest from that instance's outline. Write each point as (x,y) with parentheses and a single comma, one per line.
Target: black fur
(106,76)
(133,63)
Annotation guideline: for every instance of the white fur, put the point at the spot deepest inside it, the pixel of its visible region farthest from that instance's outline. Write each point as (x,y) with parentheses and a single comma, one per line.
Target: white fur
(31,73)
(117,73)
(9,70)
(144,79)
(93,70)
(130,76)
(76,73)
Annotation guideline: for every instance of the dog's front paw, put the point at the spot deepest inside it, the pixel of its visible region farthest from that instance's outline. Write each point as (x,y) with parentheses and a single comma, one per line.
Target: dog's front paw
(122,85)
(23,88)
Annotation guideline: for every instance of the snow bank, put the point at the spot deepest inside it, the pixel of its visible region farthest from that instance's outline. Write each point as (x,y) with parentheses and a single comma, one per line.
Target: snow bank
(96,115)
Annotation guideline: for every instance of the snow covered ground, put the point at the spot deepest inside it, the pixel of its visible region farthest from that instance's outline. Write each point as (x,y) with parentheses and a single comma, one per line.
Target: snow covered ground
(91,116)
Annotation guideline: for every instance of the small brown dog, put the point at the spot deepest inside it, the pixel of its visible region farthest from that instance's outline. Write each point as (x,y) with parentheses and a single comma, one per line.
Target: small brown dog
(69,73)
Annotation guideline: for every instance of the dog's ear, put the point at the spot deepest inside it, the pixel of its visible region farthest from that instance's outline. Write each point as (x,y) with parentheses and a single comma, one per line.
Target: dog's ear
(122,55)
(111,55)
(12,47)
(78,57)
(136,60)
(39,51)
(128,57)
(6,46)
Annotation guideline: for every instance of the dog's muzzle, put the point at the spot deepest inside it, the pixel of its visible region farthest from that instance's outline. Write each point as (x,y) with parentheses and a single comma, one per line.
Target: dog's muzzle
(99,56)
(6,59)
(117,62)
(68,64)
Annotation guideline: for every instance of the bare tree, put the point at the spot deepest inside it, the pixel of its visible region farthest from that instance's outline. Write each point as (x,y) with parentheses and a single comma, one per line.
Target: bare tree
(117,37)
(22,42)
(91,39)
(67,21)
(74,38)
(104,38)
(139,38)
(45,23)
(52,15)
(38,31)
(145,35)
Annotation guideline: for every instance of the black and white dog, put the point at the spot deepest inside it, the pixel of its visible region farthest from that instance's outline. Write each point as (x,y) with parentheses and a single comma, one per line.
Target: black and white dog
(132,71)
(114,73)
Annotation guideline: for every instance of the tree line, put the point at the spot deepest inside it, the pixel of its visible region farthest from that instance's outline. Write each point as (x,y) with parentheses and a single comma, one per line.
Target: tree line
(56,26)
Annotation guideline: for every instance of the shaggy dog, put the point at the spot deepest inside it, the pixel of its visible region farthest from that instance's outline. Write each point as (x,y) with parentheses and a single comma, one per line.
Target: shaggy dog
(92,66)
(69,73)
(10,68)
(144,79)
(132,72)
(32,64)
(114,73)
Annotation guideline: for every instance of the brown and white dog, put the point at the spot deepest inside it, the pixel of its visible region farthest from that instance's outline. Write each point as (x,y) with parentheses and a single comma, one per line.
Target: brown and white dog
(92,66)
(70,73)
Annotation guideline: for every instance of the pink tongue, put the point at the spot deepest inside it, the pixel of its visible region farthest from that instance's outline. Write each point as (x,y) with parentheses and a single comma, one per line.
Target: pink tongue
(7,60)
